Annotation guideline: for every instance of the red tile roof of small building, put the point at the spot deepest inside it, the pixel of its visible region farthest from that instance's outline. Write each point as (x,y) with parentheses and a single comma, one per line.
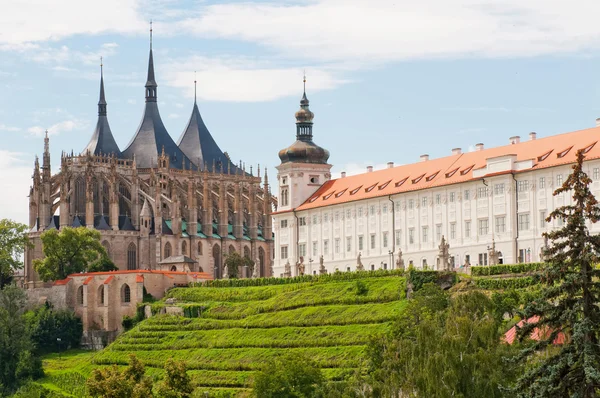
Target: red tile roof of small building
(87,280)
(139,278)
(62,282)
(545,152)
(109,279)
(511,335)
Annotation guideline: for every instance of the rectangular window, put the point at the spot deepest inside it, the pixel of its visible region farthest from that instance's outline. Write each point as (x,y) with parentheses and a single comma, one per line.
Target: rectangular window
(337,245)
(302,221)
(326,217)
(467,229)
(482,192)
(337,216)
(542,184)
(453,230)
(372,241)
(302,249)
(438,199)
(483,260)
(398,207)
(425,234)
(348,244)
(523,222)
(484,226)
(372,210)
(360,212)
(523,186)
(500,224)
(424,201)
(596,174)
(284,252)
(348,214)
(467,194)
(452,197)
(384,209)
(315,248)
(559,180)
(543,219)
(385,239)
(315,220)
(560,222)
(411,236)
(360,243)
(325,247)
(398,237)
(411,204)
(499,189)
(284,223)
(438,232)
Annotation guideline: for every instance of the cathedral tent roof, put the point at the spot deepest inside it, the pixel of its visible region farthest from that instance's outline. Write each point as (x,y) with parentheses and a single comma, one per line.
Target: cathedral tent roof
(200,147)
(102,140)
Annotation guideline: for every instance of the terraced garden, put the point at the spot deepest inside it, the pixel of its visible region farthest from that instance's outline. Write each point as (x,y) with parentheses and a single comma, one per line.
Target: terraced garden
(237,329)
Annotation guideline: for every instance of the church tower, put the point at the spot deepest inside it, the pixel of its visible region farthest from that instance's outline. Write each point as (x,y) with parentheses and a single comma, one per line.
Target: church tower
(304,166)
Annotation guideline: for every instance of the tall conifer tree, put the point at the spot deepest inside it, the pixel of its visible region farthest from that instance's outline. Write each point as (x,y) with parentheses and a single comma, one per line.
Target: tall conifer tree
(569,302)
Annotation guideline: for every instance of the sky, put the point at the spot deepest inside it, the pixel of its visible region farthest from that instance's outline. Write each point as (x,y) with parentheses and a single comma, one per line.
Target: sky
(387,80)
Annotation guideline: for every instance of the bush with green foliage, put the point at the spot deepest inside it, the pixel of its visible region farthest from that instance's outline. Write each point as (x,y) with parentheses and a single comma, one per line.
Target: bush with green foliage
(418,278)
(112,382)
(290,376)
(53,330)
(13,242)
(506,283)
(506,269)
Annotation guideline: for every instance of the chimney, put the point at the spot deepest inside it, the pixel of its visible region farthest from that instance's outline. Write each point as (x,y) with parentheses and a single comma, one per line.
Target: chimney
(424,158)
(456,151)
(479,147)
(514,139)
(533,135)
(390,165)
(369,169)
(598,122)
(343,174)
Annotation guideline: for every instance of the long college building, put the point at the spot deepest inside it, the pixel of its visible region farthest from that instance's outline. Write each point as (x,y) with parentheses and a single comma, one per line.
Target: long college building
(488,205)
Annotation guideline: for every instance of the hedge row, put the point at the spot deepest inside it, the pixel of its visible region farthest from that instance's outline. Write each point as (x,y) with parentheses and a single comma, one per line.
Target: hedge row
(506,269)
(507,283)
(337,276)
(417,278)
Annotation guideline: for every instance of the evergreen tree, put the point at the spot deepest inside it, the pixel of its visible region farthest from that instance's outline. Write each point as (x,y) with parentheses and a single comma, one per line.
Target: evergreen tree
(568,303)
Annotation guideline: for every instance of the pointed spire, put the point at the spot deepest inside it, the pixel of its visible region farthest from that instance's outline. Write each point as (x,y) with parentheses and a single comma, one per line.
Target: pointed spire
(194,87)
(151,82)
(102,101)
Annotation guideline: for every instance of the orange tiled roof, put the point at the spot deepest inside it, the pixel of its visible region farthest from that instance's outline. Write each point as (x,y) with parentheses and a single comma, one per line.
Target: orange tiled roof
(511,334)
(88,280)
(62,281)
(543,152)
(202,275)
(139,278)
(110,278)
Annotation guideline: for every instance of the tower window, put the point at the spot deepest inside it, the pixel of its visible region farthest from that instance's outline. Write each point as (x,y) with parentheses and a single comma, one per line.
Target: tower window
(314,180)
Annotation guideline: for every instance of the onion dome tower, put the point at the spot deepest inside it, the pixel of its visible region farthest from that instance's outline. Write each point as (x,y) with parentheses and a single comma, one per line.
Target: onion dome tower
(304,150)
(152,138)
(304,166)
(102,141)
(200,147)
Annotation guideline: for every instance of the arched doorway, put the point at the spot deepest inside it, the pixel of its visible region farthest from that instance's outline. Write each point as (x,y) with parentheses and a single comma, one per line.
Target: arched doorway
(262,264)
(216,252)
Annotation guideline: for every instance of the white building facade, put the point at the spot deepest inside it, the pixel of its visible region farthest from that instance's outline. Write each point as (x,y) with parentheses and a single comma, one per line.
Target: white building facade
(498,197)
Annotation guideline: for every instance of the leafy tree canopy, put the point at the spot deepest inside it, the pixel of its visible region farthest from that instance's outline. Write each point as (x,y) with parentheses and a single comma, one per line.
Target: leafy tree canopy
(13,242)
(53,330)
(288,377)
(111,382)
(234,261)
(568,303)
(69,251)
(176,383)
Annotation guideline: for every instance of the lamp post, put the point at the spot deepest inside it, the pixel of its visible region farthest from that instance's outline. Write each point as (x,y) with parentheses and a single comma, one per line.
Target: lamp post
(391,253)
(310,261)
(58,341)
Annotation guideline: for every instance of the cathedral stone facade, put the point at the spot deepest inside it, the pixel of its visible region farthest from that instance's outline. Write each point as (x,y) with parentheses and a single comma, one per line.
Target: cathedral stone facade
(157,203)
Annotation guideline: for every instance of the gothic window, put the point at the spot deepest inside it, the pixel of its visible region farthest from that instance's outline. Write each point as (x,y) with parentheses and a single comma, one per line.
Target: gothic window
(284,196)
(96,196)
(199,248)
(246,251)
(231,249)
(101,296)
(131,257)
(124,200)
(184,248)
(125,294)
(105,197)
(80,196)
(168,251)
(106,246)
(173,269)
(80,295)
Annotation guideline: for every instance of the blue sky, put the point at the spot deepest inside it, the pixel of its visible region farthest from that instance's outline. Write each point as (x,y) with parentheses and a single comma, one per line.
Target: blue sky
(387,80)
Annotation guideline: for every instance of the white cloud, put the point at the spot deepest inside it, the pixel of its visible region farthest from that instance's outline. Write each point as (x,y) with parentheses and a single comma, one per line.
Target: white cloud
(173,116)
(243,79)
(40,20)
(131,101)
(57,128)
(388,30)
(4,127)
(16,180)
(356,168)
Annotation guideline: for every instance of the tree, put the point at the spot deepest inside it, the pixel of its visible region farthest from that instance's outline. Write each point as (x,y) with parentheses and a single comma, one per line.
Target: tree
(69,251)
(569,301)
(53,330)
(176,383)
(288,377)
(111,382)
(13,242)
(233,262)
(442,347)
(17,361)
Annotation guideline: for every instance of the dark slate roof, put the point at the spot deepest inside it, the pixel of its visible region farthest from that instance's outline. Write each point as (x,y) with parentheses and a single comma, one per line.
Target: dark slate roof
(200,147)
(77,222)
(102,140)
(125,224)
(177,260)
(54,223)
(101,223)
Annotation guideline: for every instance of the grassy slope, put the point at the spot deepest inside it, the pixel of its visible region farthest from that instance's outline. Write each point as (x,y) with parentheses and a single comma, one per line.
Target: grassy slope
(241,328)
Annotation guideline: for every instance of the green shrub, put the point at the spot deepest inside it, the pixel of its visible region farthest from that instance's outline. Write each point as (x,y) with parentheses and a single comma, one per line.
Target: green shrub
(361,288)
(53,330)
(417,278)
(506,283)
(506,269)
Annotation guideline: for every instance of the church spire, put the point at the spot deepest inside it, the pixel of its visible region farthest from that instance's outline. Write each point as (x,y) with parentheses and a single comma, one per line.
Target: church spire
(102,101)
(304,117)
(151,82)
(194,87)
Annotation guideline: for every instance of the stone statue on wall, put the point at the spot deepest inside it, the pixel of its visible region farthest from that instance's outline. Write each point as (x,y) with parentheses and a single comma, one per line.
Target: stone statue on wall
(400,261)
(322,269)
(225,271)
(256,269)
(444,255)
(288,270)
(300,267)
(359,264)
